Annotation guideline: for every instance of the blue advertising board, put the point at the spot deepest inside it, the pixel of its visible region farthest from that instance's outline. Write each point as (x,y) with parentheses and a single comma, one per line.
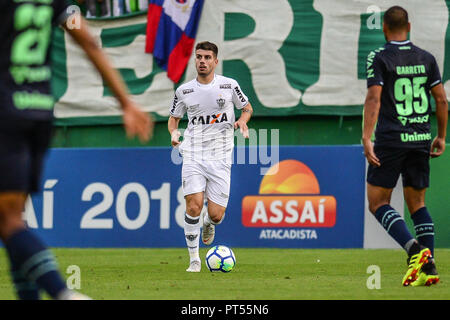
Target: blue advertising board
(311,197)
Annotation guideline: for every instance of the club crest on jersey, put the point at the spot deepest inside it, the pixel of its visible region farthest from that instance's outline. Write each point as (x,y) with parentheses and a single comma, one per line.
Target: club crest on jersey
(221,102)
(210,119)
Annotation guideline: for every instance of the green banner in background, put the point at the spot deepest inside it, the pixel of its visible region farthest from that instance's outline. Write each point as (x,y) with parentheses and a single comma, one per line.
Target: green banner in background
(291,57)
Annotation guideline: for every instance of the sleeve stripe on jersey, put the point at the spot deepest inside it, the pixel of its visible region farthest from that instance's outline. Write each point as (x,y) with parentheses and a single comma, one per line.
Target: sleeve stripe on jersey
(62,18)
(435,83)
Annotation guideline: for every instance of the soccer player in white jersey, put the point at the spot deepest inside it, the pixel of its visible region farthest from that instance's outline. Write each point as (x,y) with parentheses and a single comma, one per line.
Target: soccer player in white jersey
(207,145)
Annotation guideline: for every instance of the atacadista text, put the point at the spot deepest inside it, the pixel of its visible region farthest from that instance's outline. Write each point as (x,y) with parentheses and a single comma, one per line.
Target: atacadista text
(290,234)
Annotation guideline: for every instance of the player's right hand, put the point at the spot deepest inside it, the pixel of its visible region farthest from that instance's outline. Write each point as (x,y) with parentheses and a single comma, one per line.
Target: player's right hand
(137,123)
(437,147)
(370,153)
(175,137)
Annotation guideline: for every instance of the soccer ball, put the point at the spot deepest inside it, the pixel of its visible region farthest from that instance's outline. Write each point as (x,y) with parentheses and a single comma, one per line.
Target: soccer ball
(220,258)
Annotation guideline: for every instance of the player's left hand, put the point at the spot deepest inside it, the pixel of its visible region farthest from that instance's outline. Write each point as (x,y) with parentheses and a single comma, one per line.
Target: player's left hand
(437,147)
(243,128)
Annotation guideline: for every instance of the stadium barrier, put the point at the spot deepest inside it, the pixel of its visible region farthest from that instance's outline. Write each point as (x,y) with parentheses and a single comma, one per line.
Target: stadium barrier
(290,197)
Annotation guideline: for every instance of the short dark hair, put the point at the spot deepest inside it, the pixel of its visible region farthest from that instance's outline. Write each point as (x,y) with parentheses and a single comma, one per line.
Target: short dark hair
(206,45)
(396,18)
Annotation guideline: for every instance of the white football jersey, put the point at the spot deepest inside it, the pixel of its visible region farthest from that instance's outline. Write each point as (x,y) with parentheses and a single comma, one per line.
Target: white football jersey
(210,111)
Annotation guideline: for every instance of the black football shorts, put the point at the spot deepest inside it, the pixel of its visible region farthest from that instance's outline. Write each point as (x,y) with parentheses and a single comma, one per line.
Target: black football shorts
(23,145)
(412,164)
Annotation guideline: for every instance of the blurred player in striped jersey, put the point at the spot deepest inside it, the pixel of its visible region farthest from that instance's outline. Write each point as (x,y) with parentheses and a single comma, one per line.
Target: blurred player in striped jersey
(26,112)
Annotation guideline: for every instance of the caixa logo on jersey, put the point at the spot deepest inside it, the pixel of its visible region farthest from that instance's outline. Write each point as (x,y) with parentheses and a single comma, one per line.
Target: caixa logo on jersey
(289,196)
(209,119)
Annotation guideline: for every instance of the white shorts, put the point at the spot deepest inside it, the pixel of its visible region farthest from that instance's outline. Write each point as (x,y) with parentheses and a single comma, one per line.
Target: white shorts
(212,177)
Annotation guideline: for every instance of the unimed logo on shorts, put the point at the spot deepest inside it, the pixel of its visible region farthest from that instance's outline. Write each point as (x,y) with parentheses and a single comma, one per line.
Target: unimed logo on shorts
(289,196)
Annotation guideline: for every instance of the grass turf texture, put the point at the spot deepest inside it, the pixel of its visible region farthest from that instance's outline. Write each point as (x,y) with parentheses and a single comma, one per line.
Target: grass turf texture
(260,274)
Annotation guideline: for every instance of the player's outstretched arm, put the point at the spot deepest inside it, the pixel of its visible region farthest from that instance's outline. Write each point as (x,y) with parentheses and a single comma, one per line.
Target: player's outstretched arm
(172,126)
(136,122)
(371,109)
(246,114)
(438,144)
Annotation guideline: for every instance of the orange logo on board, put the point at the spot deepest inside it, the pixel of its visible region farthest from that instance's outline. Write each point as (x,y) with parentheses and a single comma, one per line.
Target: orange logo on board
(289,196)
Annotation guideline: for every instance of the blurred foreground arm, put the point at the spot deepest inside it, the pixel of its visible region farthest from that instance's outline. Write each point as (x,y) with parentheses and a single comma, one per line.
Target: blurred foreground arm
(136,122)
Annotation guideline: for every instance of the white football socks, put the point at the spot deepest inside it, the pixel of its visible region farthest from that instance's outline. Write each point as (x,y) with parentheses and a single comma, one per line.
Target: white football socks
(192,235)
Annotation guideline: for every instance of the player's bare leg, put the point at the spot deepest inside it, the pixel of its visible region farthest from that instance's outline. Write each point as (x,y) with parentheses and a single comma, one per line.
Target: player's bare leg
(424,227)
(194,205)
(215,216)
(11,207)
(377,197)
(414,198)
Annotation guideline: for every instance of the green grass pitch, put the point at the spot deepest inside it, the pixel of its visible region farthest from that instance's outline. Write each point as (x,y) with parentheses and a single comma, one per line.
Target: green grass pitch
(260,274)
